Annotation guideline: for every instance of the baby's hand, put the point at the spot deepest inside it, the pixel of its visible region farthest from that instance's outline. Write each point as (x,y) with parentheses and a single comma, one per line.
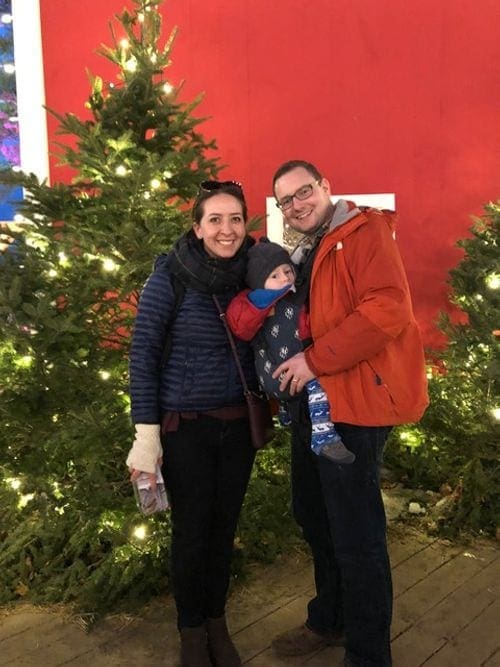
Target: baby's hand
(263,298)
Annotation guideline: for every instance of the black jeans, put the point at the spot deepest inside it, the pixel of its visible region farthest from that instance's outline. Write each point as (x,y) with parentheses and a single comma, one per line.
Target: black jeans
(341,513)
(206,466)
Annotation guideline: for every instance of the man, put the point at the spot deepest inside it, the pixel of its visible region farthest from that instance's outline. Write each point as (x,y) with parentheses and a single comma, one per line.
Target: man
(367,354)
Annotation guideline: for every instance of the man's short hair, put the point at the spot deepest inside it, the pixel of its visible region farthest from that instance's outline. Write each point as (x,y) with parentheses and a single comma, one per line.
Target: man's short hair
(294,164)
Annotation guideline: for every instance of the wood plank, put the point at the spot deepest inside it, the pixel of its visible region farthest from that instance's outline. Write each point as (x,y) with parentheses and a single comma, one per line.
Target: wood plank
(493,660)
(59,643)
(444,593)
(256,638)
(144,645)
(99,659)
(471,647)
(269,589)
(428,592)
(444,621)
(420,565)
(328,657)
(333,655)
(402,544)
(23,617)
(268,659)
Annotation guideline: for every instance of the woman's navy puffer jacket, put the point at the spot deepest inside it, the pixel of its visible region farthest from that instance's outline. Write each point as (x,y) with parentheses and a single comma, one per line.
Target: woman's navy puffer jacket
(199,373)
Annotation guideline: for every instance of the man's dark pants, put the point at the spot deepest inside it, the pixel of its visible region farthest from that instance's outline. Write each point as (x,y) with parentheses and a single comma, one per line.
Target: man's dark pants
(341,513)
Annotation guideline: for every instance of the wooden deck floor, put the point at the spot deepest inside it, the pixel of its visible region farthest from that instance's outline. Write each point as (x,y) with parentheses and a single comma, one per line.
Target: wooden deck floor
(447,614)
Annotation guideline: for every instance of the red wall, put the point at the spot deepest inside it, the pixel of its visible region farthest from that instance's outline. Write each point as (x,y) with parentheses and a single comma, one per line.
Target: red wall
(383,95)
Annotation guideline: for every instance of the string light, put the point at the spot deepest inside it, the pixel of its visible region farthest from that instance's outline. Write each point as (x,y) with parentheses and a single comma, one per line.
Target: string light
(57,490)
(6,18)
(155,183)
(9,68)
(493,281)
(167,88)
(105,375)
(140,532)
(24,362)
(124,43)
(131,65)
(24,500)
(121,170)
(108,520)
(14,483)
(37,242)
(63,259)
(125,399)
(109,265)
(410,438)
(495,413)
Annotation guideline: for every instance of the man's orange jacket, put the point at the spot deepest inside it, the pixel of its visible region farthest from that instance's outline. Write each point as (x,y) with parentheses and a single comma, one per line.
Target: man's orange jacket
(367,351)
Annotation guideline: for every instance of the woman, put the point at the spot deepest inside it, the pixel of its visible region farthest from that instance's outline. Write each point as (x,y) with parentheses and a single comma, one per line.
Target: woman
(187,396)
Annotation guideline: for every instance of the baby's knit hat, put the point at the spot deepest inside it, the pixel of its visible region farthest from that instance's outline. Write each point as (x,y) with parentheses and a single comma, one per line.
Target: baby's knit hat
(264,257)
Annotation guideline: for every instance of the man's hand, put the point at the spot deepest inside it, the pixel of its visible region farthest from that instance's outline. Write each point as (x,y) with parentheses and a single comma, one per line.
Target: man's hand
(294,373)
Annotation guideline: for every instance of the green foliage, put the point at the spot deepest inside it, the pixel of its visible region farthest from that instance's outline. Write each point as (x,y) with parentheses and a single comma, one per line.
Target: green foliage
(457,440)
(266,525)
(62,547)
(63,541)
(68,289)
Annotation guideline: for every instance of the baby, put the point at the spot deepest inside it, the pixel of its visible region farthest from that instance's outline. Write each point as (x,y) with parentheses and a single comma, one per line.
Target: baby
(277,326)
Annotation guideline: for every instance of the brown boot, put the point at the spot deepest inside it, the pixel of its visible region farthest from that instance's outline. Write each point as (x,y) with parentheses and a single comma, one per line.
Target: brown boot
(194,647)
(222,650)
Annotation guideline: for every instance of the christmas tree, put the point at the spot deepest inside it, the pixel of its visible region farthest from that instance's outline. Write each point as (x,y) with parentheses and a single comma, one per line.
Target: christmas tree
(69,284)
(456,443)
(68,290)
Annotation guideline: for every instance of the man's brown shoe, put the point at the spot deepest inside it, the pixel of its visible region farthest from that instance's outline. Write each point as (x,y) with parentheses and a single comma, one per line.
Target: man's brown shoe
(301,641)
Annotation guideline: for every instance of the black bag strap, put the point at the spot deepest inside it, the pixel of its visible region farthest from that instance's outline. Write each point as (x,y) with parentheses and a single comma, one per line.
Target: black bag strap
(179,293)
(222,316)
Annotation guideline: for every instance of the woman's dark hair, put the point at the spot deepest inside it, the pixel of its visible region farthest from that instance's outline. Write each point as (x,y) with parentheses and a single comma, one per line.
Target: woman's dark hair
(209,189)
(294,164)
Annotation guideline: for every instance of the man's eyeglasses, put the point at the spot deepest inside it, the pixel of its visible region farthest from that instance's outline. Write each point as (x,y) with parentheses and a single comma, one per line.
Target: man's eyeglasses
(210,186)
(302,193)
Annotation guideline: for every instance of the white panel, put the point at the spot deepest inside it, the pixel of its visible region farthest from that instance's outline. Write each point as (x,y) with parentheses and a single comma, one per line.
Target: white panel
(30,87)
(274,217)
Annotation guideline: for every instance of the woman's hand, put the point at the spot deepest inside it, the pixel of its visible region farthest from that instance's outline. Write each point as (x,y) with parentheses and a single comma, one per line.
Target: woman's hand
(146,452)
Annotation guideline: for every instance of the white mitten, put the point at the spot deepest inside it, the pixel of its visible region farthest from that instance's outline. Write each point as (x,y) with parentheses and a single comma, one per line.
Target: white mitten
(146,449)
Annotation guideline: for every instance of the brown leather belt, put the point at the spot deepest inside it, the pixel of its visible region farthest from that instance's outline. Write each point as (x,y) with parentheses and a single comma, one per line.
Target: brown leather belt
(171,419)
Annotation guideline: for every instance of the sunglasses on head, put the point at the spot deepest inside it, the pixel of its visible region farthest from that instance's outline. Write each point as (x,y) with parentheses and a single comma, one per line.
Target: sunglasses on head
(210,186)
